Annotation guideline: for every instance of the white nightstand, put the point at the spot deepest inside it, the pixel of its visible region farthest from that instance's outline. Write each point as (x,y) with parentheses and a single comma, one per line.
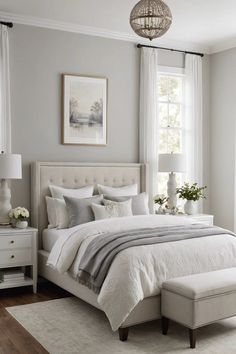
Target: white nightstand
(204,218)
(18,248)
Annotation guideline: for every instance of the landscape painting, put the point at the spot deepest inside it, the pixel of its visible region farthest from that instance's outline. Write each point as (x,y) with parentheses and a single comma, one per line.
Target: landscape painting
(84,113)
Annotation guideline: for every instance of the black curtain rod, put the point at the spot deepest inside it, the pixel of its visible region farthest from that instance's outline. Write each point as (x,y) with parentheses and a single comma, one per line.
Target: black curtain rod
(172,50)
(8,24)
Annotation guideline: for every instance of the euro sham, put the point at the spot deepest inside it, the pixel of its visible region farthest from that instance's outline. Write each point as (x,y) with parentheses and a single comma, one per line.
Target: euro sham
(131,189)
(60,192)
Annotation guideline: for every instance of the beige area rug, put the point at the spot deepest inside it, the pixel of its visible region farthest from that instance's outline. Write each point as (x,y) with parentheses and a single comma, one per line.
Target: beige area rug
(68,326)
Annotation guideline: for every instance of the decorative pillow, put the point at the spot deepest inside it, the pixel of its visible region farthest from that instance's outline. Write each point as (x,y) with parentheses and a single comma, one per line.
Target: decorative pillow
(139,202)
(59,192)
(80,211)
(112,209)
(57,213)
(131,189)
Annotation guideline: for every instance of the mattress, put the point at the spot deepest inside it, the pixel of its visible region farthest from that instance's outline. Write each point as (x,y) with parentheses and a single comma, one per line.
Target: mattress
(50,236)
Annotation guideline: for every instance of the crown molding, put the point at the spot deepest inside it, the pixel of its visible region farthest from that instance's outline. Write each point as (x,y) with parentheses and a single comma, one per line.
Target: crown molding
(98,32)
(222,46)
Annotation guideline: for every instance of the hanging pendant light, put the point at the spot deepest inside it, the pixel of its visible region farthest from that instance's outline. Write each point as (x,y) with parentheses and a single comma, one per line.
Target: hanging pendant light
(150,18)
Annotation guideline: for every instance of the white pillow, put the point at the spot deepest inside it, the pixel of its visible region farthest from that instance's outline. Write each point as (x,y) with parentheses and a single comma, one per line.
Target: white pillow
(129,190)
(57,213)
(112,209)
(59,192)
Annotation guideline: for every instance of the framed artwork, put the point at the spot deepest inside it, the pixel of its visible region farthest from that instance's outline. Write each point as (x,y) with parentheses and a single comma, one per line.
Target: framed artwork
(84,110)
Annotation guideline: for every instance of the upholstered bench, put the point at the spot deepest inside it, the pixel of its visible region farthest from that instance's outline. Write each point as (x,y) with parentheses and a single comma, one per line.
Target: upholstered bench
(197,300)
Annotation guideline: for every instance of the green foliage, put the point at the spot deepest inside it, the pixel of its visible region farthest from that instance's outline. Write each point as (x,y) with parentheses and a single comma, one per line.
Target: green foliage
(160,199)
(191,192)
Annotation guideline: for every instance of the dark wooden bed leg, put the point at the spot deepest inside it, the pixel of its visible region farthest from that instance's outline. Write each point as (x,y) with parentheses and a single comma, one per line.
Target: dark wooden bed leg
(123,334)
(165,325)
(192,338)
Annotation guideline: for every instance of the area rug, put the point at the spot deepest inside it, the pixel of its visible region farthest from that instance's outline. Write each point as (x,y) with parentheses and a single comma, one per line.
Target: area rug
(70,326)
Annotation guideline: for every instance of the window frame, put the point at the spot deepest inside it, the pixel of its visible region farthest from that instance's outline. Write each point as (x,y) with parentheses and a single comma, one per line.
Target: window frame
(176,72)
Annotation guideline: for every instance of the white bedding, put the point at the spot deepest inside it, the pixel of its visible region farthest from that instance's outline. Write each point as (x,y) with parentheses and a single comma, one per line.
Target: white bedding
(50,237)
(138,272)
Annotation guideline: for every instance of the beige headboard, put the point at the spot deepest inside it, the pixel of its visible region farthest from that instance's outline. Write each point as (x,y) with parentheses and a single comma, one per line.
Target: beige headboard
(75,175)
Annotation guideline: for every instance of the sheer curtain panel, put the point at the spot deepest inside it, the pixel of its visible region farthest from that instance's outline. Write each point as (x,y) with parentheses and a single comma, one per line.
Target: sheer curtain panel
(5,111)
(148,136)
(193,116)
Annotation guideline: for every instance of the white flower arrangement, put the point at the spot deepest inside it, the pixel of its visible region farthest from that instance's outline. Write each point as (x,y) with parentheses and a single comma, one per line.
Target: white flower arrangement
(19,213)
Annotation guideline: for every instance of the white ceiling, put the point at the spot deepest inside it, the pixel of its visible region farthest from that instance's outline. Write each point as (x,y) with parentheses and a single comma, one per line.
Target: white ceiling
(207,25)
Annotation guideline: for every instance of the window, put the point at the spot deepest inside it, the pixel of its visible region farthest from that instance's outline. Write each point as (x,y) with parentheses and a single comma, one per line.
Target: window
(171,115)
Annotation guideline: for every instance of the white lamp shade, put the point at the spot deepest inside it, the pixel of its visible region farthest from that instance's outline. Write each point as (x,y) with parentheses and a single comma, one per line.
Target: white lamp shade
(172,163)
(10,166)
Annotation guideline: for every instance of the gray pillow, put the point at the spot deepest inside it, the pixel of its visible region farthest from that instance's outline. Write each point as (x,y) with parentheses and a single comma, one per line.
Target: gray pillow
(79,210)
(139,202)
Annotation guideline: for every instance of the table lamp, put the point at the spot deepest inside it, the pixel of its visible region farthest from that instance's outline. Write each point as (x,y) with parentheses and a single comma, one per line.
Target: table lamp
(10,168)
(172,163)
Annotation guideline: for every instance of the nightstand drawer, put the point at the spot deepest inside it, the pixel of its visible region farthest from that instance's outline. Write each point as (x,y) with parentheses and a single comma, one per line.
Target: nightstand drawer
(14,257)
(15,241)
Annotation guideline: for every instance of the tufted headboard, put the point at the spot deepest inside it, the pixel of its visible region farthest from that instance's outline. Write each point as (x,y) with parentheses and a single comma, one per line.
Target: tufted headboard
(75,175)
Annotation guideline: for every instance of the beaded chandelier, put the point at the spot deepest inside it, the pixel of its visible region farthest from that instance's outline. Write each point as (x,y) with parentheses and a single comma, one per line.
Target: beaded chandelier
(150,18)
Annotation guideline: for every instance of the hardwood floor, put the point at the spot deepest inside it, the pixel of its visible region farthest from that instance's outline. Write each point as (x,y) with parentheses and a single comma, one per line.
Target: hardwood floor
(14,339)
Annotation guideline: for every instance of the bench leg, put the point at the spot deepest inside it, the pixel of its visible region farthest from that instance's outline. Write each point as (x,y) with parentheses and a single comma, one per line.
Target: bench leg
(165,325)
(123,334)
(192,338)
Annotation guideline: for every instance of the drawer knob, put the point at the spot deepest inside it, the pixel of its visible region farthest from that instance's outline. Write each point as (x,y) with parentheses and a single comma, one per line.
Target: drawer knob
(13,256)
(12,241)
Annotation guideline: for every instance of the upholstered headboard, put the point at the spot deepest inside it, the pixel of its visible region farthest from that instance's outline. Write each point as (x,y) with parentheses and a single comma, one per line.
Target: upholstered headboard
(75,175)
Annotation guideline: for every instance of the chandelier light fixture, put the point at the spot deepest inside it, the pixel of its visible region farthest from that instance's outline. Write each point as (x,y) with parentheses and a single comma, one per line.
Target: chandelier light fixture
(150,18)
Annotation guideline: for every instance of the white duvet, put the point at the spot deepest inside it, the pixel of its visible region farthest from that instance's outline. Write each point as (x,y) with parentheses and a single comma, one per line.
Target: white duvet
(138,272)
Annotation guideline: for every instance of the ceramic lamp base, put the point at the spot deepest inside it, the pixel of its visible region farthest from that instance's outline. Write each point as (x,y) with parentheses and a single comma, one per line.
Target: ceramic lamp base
(171,191)
(5,202)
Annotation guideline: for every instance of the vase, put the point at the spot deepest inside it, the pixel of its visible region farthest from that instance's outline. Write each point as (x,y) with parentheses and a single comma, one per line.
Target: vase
(160,210)
(21,224)
(189,207)
(13,223)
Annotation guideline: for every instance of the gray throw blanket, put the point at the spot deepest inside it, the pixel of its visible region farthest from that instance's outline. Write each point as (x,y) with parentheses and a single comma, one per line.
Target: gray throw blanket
(101,252)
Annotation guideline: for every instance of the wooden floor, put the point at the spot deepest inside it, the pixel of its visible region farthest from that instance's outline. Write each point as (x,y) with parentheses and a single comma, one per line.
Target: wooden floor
(14,339)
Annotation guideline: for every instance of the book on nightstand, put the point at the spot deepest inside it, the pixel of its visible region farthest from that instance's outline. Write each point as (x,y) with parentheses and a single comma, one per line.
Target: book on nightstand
(11,275)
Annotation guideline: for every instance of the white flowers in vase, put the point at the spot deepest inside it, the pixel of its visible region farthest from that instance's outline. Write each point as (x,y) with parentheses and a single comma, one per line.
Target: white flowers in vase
(19,217)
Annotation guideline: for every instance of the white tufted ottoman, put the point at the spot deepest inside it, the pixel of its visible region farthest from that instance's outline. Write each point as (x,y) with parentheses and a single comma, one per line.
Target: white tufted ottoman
(197,300)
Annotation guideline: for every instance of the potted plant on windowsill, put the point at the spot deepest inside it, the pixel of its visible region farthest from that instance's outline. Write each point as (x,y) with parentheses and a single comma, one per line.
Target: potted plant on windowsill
(191,193)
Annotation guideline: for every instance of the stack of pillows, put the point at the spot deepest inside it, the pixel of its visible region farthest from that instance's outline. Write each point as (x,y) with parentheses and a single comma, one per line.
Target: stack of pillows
(70,207)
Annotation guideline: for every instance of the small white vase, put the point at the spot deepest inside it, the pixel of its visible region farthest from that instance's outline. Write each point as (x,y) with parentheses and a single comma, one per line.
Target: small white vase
(21,224)
(189,207)
(160,210)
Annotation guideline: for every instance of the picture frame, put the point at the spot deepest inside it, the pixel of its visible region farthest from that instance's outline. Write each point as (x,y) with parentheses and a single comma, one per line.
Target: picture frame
(84,118)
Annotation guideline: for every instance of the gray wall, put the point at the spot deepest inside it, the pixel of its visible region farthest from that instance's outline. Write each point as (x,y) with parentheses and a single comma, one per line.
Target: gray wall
(38,58)
(223,116)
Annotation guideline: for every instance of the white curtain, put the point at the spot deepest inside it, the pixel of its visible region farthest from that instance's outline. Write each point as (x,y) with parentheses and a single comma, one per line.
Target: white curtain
(148,133)
(193,116)
(5,112)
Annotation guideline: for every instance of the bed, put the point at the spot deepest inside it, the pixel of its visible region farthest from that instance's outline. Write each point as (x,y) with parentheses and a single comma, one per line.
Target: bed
(216,253)
(72,175)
